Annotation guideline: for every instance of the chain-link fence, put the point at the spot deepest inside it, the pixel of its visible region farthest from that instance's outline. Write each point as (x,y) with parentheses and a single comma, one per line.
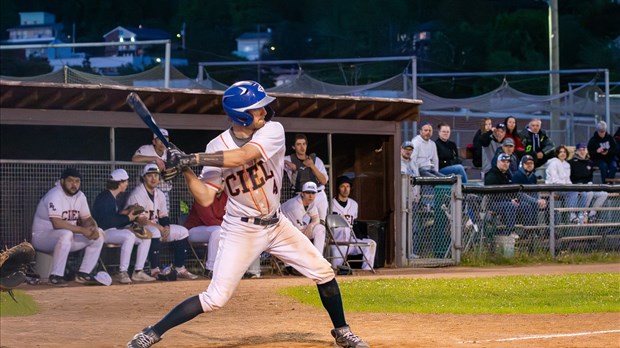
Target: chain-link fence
(24,182)
(446,222)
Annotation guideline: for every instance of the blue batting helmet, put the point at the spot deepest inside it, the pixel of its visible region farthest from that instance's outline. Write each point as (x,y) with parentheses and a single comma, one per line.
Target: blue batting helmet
(244,96)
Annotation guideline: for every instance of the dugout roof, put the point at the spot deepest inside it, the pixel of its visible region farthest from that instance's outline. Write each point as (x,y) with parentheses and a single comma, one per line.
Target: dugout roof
(60,101)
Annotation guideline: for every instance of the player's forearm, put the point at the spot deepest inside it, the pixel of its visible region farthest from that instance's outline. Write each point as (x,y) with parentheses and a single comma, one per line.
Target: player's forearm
(60,224)
(227,159)
(319,176)
(143,159)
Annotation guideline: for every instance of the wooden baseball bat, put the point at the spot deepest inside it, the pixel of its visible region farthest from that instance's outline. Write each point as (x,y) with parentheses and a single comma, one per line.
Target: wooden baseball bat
(138,106)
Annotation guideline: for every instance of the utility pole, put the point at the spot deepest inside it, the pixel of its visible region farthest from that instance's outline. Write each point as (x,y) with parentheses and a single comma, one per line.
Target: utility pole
(554,65)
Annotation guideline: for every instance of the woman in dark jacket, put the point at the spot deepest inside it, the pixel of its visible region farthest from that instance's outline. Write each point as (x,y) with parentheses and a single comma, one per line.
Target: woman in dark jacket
(512,131)
(485,125)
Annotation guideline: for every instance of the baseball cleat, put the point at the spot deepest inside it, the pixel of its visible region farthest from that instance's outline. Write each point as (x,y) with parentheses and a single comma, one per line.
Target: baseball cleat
(57,280)
(144,339)
(123,278)
(347,339)
(182,272)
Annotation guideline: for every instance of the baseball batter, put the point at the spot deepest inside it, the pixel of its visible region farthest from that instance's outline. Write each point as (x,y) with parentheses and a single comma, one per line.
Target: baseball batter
(55,228)
(250,158)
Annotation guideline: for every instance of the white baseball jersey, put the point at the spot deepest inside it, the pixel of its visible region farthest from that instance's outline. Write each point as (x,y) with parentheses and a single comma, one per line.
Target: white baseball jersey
(149,150)
(155,208)
(350,214)
(295,211)
(253,188)
(317,162)
(57,204)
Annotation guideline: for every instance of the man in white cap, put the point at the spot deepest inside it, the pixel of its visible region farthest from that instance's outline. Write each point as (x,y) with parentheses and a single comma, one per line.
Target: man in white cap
(115,224)
(303,213)
(156,153)
(152,199)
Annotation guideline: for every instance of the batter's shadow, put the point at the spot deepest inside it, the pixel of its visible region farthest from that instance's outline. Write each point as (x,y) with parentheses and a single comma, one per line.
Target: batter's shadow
(281,337)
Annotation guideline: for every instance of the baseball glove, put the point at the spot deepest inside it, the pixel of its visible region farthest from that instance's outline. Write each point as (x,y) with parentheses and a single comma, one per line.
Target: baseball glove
(140,231)
(136,209)
(14,264)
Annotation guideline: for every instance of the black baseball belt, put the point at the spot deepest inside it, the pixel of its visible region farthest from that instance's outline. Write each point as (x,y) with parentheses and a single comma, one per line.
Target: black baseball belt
(262,221)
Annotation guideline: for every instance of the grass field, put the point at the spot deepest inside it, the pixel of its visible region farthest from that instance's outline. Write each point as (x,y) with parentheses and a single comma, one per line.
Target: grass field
(25,305)
(569,293)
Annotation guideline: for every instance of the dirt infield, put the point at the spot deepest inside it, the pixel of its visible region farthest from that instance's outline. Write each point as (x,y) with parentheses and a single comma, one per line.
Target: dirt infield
(81,316)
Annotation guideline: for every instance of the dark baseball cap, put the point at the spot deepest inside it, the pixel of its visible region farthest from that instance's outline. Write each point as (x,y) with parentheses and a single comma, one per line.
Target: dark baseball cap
(70,172)
(508,142)
(342,180)
(581,146)
(527,158)
(500,126)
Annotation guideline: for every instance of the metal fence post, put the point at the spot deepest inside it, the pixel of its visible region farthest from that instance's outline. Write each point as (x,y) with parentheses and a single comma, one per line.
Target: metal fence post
(552,223)
(456,202)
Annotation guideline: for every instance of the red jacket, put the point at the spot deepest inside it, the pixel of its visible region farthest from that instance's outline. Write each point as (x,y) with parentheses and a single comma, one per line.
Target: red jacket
(210,216)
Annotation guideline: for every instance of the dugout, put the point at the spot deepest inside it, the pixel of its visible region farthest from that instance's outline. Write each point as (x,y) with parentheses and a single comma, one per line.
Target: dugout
(357,136)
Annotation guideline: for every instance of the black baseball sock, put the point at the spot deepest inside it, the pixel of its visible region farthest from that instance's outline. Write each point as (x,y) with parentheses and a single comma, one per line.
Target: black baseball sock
(332,301)
(180,252)
(183,312)
(154,258)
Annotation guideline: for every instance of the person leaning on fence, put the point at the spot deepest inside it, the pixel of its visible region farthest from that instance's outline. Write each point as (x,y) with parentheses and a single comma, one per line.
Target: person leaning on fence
(62,223)
(502,204)
(558,172)
(491,141)
(485,125)
(152,199)
(582,172)
(115,224)
(508,147)
(529,202)
(603,149)
(536,142)
(156,153)
(424,154)
(448,154)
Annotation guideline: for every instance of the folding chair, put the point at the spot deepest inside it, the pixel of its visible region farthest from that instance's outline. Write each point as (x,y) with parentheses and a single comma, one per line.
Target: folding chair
(107,246)
(333,221)
(201,261)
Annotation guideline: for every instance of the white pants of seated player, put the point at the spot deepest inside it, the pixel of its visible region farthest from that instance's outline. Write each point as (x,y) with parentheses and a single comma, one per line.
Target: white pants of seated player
(177,232)
(241,243)
(61,242)
(207,234)
(322,204)
(369,252)
(127,240)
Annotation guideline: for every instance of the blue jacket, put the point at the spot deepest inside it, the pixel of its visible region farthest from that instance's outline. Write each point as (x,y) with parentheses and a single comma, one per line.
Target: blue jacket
(105,212)
(523,178)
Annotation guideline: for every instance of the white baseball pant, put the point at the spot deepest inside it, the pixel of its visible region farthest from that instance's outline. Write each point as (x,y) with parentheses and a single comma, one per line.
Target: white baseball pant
(207,234)
(177,232)
(61,242)
(127,240)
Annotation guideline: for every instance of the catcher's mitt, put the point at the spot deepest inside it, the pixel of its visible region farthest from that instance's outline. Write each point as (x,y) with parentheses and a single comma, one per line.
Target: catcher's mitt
(140,231)
(14,264)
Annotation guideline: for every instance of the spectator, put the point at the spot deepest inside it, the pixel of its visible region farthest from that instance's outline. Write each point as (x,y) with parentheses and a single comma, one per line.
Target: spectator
(491,141)
(582,172)
(502,204)
(156,153)
(603,149)
(301,168)
(485,126)
(617,139)
(512,132)
(204,226)
(558,172)
(508,147)
(424,154)
(62,223)
(448,154)
(536,142)
(529,202)
(115,224)
(152,199)
(406,164)
(347,207)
